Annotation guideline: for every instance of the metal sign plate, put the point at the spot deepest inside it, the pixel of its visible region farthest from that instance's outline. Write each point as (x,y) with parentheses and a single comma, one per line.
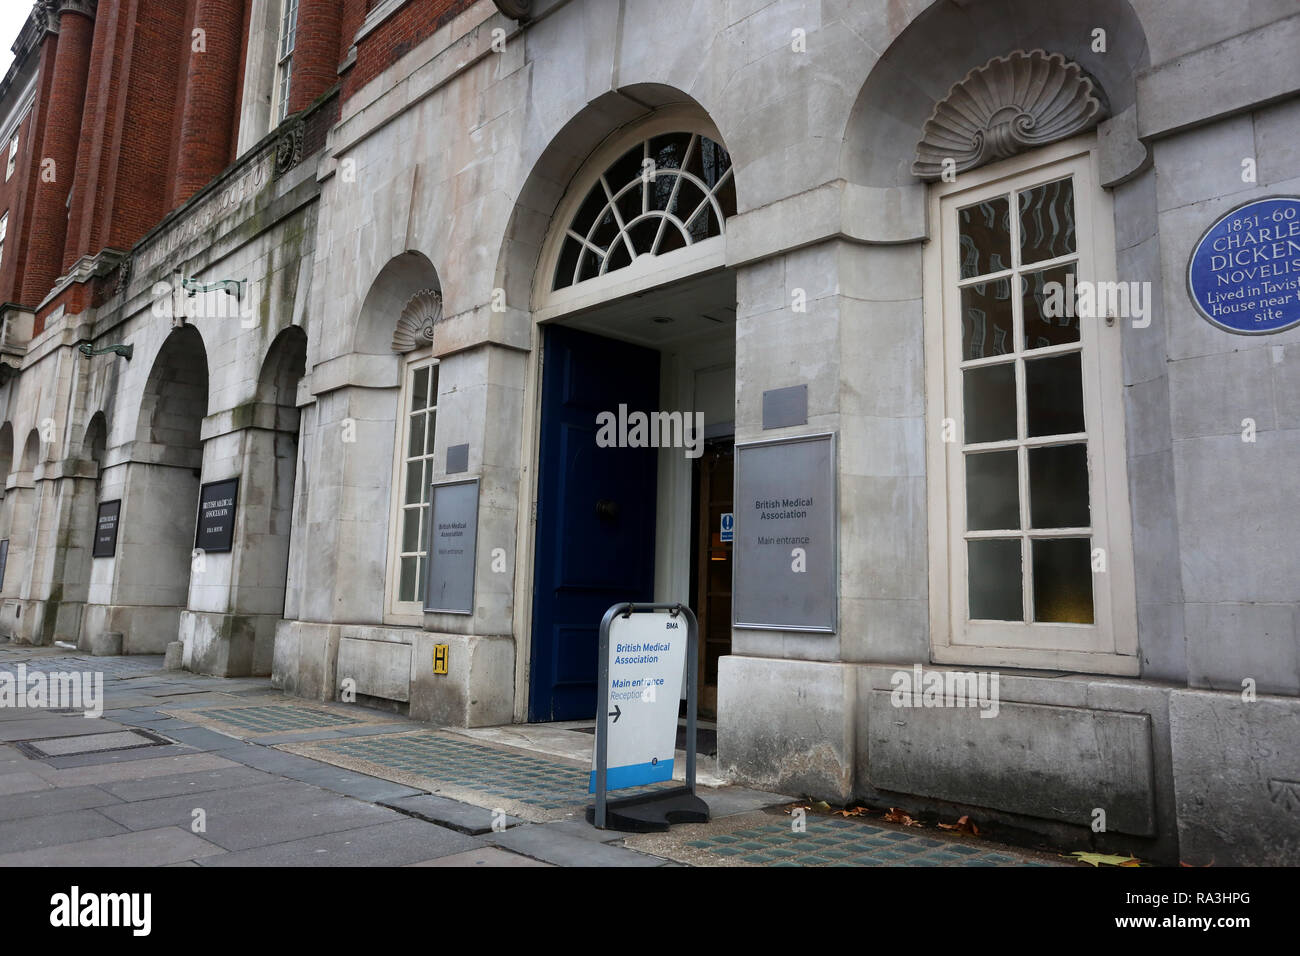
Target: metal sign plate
(784,572)
(216,527)
(1244,273)
(451,545)
(106,529)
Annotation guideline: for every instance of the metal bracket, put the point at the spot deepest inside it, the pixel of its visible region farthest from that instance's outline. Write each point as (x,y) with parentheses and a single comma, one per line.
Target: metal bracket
(86,349)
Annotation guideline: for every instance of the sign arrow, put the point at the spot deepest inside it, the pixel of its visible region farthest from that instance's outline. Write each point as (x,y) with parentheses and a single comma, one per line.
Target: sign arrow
(616,713)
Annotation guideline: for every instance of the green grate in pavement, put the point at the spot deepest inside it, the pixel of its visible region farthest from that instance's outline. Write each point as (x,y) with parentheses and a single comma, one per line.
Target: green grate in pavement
(520,777)
(848,843)
(275,718)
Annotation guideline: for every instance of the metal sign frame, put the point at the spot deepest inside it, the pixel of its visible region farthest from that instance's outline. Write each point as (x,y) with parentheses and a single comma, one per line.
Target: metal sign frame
(223,546)
(684,794)
(434,488)
(111,548)
(834,571)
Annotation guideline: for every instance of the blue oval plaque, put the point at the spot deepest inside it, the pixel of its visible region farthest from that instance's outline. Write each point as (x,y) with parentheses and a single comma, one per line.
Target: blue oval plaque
(1244,274)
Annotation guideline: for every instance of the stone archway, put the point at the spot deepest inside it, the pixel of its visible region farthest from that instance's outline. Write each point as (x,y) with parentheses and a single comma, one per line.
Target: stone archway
(141,590)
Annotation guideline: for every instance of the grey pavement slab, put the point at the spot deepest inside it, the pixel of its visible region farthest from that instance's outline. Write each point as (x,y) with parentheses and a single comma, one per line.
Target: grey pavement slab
(727,801)
(134,717)
(386,844)
(131,769)
(55,725)
(45,802)
(200,737)
(152,788)
(485,856)
(293,737)
(272,761)
(141,848)
(219,806)
(359,785)
(291,819)
(464,817)
(581,828)
(118,756)
(29,833)
(544,841)
(22,781)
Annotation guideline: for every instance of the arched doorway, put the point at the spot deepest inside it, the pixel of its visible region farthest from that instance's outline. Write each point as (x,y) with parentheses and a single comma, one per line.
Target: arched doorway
(6,506)
(634,316)
(141,589)
(271,460)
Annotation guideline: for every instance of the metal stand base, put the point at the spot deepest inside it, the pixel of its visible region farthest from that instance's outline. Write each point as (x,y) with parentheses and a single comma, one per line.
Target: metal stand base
(653,812)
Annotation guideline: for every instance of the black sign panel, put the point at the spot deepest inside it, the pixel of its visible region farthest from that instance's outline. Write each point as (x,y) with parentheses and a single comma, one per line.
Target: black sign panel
(216,531)
(4,559)
(106,529)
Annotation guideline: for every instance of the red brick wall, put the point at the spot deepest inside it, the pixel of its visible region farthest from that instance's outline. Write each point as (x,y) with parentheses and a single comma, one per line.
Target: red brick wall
(101,105)
(12,195)
(210,86)
(397,36)
(62,133)
(140,194)
(144,122)
(315,51)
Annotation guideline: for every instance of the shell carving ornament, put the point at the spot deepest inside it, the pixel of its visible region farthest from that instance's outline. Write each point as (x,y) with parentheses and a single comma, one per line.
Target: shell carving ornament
(415,325)
(1010,104)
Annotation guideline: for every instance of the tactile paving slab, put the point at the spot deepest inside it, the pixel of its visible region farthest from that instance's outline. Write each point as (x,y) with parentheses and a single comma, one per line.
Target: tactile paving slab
(841,842)
(529,785)
(270,719)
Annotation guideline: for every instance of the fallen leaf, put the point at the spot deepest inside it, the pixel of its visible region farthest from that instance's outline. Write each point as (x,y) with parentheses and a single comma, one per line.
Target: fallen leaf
(963,825)
(896,815)
(1097,859)
(821,806)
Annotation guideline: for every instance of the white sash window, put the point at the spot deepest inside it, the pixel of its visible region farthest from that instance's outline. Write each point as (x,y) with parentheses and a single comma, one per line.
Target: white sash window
(1031,560)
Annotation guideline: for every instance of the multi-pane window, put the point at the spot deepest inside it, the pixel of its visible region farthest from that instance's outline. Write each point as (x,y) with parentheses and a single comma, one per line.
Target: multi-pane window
(4,231)
(13,158)
(665,193)
(421,417)
(284,59)
(1031,546)
(1025,437)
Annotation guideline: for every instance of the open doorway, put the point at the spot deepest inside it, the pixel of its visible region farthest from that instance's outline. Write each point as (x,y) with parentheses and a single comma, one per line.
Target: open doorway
(620,522)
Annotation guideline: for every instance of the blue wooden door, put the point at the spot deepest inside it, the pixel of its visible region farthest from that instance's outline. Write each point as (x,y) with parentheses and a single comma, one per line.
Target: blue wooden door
(595,513)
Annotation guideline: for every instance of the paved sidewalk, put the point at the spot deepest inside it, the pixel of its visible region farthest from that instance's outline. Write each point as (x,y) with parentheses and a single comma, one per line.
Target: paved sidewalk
(185,770)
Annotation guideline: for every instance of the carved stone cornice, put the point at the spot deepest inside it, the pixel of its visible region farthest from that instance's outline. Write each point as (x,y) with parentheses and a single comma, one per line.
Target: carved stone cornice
(47,12)
(1010,104)
(45,16)
(414,327)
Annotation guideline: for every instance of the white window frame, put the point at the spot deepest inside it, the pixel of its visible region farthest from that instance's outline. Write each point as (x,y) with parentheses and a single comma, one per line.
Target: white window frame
(1109,645)
(4,232)
(286,43)
(646,271)
(13,158)
(398,611)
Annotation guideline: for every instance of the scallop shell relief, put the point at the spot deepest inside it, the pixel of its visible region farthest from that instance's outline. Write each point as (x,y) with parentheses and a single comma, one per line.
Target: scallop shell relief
(414,327)
(1010,104)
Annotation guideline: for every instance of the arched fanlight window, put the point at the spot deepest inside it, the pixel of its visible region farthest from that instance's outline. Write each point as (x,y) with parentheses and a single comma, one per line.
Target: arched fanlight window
(665,193)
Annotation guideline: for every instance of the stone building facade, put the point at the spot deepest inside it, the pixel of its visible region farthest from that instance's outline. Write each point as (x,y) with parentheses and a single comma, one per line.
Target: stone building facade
(476,226)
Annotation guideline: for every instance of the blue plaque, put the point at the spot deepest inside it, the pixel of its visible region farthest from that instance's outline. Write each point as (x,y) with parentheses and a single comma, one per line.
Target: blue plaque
(1244,274)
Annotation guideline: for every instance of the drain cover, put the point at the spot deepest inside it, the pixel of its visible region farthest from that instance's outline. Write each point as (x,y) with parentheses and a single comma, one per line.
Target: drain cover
(91,743)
